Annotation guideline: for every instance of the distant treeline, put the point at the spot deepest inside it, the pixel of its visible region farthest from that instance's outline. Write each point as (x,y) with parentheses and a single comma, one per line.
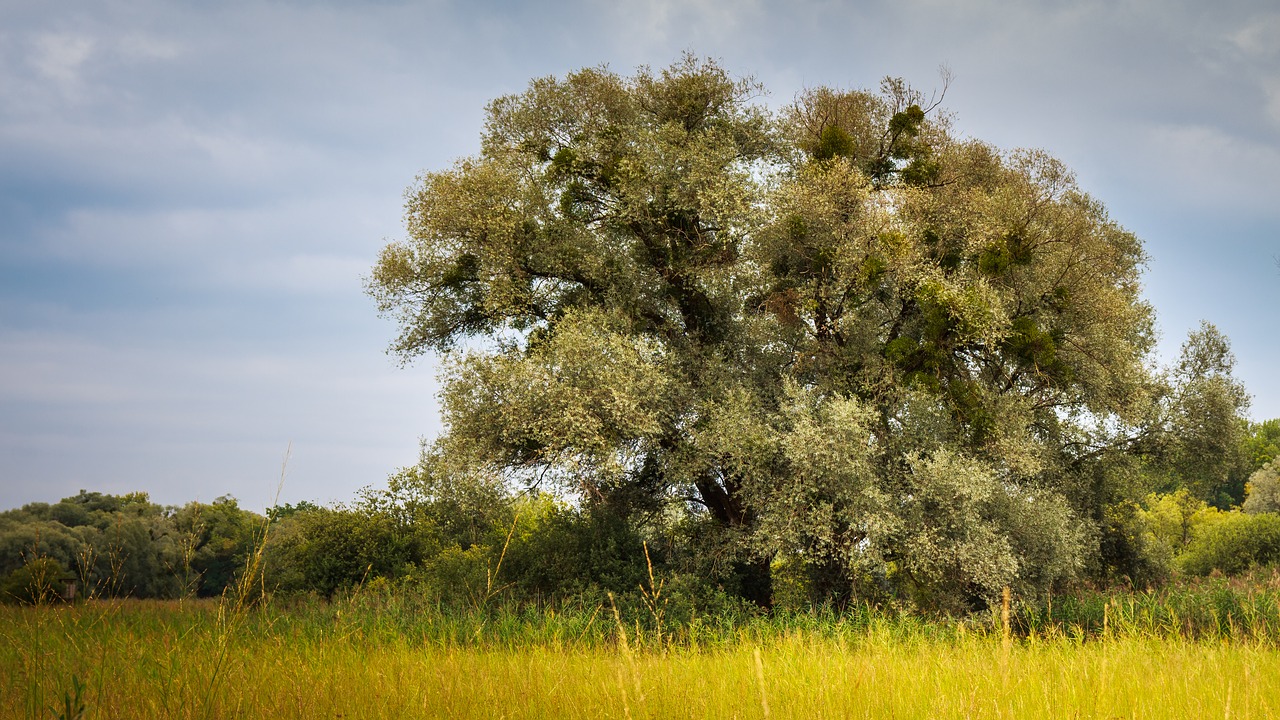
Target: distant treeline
(464,547)
(468,543)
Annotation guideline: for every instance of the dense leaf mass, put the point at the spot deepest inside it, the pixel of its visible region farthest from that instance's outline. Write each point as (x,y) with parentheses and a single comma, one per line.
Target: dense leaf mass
(839,336)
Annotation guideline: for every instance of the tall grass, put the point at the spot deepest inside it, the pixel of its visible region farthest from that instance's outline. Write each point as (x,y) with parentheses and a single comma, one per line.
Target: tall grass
(154,660)
(1221,609)
(1245,607)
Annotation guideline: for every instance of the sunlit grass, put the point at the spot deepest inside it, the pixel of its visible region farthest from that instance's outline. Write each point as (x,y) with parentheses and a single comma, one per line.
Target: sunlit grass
(142,659)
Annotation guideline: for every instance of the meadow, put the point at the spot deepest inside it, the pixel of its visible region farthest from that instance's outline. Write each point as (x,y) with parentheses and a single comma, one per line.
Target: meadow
(1206,650)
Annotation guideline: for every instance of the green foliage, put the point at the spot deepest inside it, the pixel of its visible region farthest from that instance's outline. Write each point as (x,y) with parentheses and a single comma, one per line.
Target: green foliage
(972,534)
(40,580)
(1263,490)
(559,550)
(218,539)
(73,706)
(1204,434)
(1175,519)
(1236,543)
(838,332)
(128,546)
(281,512)
(833,141)
(23,538)
(460,578)
(338,548)
(1262,443)
(283,565)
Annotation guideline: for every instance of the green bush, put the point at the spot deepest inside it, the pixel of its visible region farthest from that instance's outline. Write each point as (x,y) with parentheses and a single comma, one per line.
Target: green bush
(40,580)
(1234,544)
(557,550)
(461,578)
(1129,553)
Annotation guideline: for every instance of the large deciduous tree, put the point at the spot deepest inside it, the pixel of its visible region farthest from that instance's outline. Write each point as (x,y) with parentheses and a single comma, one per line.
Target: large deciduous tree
(840,334)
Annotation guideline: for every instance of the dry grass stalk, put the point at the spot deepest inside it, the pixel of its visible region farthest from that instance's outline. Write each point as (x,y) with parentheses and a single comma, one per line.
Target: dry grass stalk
(629,657)
(491,576)
(1004,619)
(764,699)
(652,596)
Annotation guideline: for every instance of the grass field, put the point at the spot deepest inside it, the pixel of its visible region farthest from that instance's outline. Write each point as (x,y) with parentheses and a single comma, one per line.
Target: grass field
(149,659)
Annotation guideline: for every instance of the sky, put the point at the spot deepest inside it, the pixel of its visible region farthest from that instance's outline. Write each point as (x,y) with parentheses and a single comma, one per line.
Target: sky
(191,195)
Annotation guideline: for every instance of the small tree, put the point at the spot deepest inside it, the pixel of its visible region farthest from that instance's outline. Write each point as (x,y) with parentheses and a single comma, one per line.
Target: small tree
(1264,490)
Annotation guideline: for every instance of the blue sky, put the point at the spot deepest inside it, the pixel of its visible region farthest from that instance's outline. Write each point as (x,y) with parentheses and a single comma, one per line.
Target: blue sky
(191,192)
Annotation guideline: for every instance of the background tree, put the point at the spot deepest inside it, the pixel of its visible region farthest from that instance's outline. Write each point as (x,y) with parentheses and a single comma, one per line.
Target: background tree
(214,540)
(1202,446)
(1264,490)
(128,546)
(1261,444)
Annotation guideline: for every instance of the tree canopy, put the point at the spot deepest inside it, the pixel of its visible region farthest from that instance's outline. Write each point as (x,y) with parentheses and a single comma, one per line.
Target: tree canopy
(126,545)
(839,335)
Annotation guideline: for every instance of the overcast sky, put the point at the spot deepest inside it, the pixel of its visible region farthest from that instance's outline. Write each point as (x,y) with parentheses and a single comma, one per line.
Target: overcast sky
(190,194)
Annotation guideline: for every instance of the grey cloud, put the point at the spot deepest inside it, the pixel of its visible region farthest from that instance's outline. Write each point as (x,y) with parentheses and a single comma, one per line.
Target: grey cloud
(92,413)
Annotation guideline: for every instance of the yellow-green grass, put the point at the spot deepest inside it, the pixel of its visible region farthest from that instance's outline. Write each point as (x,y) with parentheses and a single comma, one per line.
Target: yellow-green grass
(162,660)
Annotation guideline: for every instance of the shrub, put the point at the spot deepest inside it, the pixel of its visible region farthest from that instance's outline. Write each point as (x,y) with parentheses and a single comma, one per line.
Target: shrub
(1233,545)
(461,578)
(558,550)
(40,580)
(1172,521)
